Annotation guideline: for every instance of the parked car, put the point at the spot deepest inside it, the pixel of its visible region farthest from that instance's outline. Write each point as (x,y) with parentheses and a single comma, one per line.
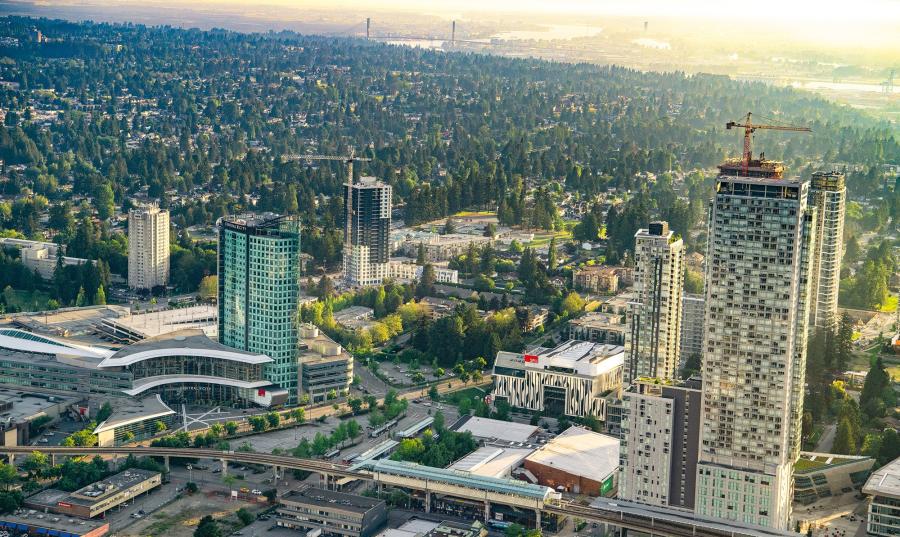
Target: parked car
(256,491)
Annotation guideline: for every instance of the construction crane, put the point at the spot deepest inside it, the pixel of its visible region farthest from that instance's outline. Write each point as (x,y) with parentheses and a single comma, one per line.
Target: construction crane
(349,159)
(749,128)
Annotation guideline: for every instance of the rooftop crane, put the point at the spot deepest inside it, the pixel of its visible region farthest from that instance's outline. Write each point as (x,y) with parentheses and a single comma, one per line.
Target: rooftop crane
(750,127)
(349,159)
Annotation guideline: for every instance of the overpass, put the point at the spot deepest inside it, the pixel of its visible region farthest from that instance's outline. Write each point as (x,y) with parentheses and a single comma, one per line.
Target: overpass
(654,521)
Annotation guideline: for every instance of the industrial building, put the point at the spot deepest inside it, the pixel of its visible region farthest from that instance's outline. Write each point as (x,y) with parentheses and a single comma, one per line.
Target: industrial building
(23,522)
(579,461)
(660,434)
(572,379)
(148,247)
(325,366)
(97,498)
(367,251)
(335,514)
(883,514)
(653,341)
(259,292)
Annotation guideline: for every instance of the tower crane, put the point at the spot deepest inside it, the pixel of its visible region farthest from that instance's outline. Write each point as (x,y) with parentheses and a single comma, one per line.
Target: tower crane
(349,159)
(749,128)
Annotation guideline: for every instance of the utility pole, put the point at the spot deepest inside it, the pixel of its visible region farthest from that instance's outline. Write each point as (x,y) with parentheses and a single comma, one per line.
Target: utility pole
(368,25)
(453,35)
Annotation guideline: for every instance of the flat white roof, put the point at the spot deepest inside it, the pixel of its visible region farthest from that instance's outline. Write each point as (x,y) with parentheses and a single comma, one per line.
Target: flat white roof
(501,430)
(885,481)
(492,461)
(583,358)
(578,451)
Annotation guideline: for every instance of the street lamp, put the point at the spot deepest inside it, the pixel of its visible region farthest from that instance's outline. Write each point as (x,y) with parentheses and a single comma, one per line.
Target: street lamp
(190,469)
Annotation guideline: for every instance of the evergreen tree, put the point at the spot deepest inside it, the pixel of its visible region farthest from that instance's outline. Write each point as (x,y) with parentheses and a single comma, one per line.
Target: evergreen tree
(79,299)
(844,442)
(100,297)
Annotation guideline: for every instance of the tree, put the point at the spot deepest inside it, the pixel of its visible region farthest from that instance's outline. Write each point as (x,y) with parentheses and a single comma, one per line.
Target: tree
(209,287)
(571,305)
(844,441)
(105,202)
(693,281)
(231,427)
(245,516)
(258,423)
(100,296)
(355,404)
(159,426)
(79,299)
(449,227)
(105,412)
(273,419)
(426,286)
(8,475)
(877,393)
(298,415)
(208,528)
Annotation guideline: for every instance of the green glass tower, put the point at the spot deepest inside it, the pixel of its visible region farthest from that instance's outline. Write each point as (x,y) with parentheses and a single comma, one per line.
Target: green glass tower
(259,289)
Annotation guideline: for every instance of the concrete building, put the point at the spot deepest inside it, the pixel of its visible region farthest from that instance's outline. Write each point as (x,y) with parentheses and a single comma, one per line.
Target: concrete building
(335,514)
(20,409)
(259,292)
(597,279)
(437,247)
(598,327)
(653,337)
(660,433)
(97,498)
(408,271)
(883,514)
(41,256)
(325,366)
(757,307)
(693,310)
(572,379)
(492,461)
(367,252)
(818,476)
(23,522)
(579,461)
(828,194)
(137,326)
(492,430)
(148,248)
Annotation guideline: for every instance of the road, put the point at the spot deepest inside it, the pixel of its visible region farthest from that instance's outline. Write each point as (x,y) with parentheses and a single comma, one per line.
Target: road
(827,440)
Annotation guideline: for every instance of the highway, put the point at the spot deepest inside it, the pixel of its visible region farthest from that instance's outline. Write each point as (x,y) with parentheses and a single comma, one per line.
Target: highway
(655,521)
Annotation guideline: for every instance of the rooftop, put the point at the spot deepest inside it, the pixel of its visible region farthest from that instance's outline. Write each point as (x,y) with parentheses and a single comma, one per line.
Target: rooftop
(130,411)
(92,493)
(187,342)
(25,406)
(885,481)
(143,325)
(23,520)
(575,357)
(463,479)
(492,461)
(579,451)
(330,498)
(490,428)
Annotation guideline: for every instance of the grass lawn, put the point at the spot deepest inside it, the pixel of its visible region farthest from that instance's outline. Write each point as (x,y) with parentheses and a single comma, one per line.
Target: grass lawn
(475,213)
(28,300)
(466,393)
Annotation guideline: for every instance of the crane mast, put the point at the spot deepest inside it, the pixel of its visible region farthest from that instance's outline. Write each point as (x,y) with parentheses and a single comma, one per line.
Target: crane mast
(749,128)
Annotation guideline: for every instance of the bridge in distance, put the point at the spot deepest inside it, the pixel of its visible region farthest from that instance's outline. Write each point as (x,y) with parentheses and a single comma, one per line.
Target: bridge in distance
(635,517)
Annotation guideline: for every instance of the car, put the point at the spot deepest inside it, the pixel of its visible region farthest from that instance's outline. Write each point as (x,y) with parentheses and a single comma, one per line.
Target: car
(256,491)
(141,512)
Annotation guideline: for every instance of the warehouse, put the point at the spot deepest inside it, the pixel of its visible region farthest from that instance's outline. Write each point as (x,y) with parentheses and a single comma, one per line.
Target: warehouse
(97,498)
(579,461)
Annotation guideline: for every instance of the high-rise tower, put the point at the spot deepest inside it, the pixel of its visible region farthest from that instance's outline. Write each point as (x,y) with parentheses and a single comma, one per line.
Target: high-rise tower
(828,194)
(367,252)
(259,290)
(653,336)
(148,248)
(761,237)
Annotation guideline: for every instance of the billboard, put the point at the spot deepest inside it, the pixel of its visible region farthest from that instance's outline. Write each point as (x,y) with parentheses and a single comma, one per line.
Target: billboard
(531,359)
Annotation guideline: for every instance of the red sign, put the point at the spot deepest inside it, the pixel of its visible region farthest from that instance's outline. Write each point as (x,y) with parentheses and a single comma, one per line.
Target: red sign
(64,504)
(261,392)
(531,358)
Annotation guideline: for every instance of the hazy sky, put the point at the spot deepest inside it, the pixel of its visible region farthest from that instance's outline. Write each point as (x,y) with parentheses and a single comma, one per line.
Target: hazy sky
(797,10)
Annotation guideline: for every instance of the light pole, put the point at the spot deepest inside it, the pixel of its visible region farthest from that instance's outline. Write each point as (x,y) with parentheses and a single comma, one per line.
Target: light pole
(190,469)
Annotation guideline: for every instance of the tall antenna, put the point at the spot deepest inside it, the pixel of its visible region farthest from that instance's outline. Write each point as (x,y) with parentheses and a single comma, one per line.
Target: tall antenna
(453,35)
(368,25)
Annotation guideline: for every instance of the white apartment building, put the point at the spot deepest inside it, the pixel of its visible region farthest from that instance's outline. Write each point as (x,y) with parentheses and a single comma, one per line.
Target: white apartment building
(760,236)
(828,193)
(653,336)
(408,271)
(658,455)
(572,379)
(148,248)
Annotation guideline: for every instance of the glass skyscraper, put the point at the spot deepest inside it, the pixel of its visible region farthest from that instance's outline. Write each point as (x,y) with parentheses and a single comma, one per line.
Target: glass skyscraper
(259,289)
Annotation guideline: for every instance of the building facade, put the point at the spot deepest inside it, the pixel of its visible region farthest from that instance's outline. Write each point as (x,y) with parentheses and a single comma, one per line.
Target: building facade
(883,487)
(367,253)
(692,312)
(598,327)
(335,514)
(828,193)
(409,272)
(653,336)
(148,248)
(326,368)
(659,452)
(757,306)
(259,292)
(597,279)
(572,379)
